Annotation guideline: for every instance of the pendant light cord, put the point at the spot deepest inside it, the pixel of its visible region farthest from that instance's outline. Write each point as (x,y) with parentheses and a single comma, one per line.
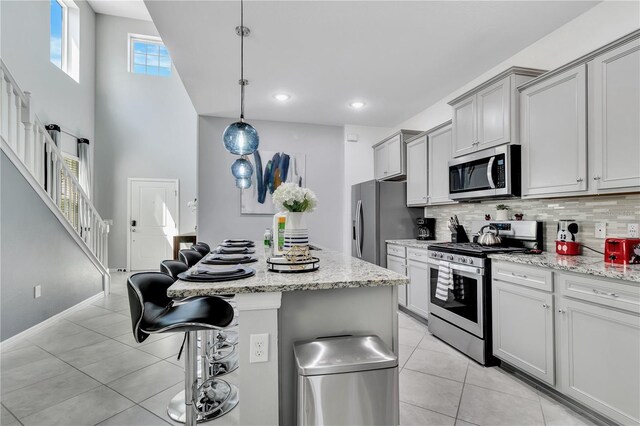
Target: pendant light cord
(242,82)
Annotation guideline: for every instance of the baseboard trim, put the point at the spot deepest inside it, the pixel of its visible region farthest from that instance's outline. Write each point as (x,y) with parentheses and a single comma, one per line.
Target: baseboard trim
(29,331)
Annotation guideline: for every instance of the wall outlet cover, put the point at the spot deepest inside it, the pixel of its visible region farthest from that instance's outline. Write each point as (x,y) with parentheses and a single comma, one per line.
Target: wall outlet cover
(632,230)
(259,345)
(601,230)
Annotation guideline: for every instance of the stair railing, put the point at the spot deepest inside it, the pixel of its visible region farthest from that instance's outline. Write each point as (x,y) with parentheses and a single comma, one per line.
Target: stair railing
(29,140)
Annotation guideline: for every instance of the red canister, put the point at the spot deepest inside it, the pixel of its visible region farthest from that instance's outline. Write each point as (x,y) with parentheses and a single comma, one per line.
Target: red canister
(570,248)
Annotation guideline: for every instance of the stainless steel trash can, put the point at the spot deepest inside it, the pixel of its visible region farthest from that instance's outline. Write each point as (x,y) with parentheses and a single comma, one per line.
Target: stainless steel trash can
(350,380)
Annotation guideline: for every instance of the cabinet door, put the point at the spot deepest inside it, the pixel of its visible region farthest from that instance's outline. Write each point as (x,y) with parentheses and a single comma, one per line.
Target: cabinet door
(417,172)
(494,114)
(395,157)
(464,127)
(614,126)
(554,144)
(439,156)
(418,288)
(396,264)
(380,161)
(599,353)
(523,329)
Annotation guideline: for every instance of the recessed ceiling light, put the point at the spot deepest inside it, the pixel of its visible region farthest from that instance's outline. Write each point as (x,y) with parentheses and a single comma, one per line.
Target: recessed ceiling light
(282,97)
(357,104)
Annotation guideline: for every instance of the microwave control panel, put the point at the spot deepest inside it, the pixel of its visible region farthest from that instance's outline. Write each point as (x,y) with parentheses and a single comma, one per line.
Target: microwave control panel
(500,173)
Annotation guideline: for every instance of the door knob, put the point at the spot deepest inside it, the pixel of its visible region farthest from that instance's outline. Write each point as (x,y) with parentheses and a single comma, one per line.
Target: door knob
(133,230)
(579,179)
(544,305)
(561,311)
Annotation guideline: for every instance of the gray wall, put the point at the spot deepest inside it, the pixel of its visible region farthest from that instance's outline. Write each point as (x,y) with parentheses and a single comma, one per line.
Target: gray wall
(57,98)
(219,200)
(36,249)
(145,128)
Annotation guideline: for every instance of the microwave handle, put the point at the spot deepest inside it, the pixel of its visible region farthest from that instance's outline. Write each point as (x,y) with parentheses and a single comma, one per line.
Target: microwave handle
(492,183)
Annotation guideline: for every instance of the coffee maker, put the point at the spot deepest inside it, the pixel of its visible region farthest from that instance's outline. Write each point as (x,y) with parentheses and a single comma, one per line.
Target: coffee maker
(426,228)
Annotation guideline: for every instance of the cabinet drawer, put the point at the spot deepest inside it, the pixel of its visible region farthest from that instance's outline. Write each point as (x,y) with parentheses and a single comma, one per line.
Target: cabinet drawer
(616,294)
(529,276)
(394,250)
(417,254)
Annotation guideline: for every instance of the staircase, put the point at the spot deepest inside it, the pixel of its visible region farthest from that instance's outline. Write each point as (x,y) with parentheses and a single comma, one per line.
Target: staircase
(28,145)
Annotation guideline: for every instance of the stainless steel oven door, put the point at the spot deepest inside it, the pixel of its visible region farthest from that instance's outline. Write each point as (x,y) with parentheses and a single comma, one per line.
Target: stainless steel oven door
(464,306)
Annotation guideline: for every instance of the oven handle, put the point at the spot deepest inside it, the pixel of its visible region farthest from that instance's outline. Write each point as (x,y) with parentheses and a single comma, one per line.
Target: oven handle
(492,184)
(461,268)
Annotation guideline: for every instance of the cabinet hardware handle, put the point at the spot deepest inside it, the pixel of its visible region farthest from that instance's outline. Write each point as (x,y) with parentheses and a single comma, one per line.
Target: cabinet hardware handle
(544,305)
(519,275)
(577,180)
(596,178)
(604,293)
(561,311)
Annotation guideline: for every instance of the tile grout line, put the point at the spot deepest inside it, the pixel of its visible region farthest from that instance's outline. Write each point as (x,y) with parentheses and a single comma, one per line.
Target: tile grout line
(464,383)
(11,412)
(428,409)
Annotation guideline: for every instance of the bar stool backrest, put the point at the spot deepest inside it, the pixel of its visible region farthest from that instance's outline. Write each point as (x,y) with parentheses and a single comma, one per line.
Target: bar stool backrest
(147,299)
(203,244)
(173,268)
(200,249)
(189,257)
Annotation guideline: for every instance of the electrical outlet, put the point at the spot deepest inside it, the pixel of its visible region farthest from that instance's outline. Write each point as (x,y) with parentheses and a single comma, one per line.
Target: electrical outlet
(601,230)
(259,344)
(632,230)
(37,291)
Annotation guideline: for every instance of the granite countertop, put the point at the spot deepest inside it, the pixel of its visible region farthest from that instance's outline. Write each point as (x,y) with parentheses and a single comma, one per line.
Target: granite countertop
(580,264)
(421,244)
(337,270)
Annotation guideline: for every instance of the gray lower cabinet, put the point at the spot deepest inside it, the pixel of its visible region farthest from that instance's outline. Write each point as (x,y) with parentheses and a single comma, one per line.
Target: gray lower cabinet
(523,336)
(599,360)
(419,287)
(397,264)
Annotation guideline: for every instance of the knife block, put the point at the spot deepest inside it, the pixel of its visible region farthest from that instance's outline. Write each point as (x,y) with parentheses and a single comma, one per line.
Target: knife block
(459,235)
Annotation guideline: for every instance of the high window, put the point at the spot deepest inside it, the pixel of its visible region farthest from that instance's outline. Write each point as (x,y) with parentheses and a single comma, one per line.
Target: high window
(64,37)
(147,55)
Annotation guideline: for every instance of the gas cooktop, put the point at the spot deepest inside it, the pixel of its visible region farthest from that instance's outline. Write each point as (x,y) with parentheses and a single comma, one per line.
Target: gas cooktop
(474,249)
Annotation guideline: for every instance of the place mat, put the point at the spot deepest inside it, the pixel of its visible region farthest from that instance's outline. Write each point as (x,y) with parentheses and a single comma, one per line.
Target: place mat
(229,274)
(228,259)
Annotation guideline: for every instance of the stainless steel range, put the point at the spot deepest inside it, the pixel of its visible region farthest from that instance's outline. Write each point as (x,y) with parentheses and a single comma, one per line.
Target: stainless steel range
(460,306)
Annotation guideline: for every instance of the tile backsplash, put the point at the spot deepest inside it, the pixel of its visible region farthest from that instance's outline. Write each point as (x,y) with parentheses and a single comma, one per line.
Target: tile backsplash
(616,210)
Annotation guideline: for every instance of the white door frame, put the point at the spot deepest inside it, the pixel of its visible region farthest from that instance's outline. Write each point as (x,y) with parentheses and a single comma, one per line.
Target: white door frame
(128,219)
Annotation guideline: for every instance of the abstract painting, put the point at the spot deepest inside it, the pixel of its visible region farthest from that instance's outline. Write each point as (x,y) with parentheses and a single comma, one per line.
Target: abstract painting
(270,169)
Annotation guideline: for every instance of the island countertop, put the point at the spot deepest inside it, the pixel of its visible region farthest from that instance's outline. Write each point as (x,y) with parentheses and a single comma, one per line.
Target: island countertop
(337,270)
(589,265)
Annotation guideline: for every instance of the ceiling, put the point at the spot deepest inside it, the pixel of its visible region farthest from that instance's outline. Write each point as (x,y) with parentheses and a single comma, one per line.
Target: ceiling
(398,57)
(134,9)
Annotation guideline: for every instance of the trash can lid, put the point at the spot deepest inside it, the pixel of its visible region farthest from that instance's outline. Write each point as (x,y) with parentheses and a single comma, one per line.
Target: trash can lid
(343,354)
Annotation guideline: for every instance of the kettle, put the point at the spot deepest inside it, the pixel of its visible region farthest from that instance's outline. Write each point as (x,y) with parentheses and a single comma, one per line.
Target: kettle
(489,238)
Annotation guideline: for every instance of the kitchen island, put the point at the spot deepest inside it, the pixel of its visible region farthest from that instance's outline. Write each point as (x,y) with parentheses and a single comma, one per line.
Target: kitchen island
(345,296)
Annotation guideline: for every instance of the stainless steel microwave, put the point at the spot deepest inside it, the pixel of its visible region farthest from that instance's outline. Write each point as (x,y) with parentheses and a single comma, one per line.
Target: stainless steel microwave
(490,173)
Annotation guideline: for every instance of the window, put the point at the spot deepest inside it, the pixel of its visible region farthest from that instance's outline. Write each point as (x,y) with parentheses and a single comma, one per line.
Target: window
(64,37)
(147,55)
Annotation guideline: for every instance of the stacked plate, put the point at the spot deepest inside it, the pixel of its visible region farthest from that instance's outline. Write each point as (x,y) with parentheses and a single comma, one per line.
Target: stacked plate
(228,259)
(237,243)
(234,250)
(215,275)
(295,237)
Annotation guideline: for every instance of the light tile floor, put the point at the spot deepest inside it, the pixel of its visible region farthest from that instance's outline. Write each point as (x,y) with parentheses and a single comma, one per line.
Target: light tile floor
(86,369)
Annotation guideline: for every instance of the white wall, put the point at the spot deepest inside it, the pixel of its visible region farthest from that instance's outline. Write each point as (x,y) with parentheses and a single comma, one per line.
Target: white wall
(24,47)
(358,161)
(596,27)
(145,127)
(219,200)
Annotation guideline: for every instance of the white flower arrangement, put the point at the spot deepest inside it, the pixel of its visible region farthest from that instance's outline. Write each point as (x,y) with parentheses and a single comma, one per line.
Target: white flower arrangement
(291,197)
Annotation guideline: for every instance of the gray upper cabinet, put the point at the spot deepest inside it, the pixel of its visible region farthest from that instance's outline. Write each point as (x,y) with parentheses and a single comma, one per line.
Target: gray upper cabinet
(390,156)
(440,140)
(554,134)
(417,161)
(614,123)
(486,116)
(580,131)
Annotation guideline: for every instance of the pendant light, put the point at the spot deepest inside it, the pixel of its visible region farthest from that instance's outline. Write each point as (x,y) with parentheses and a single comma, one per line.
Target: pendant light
(241,138)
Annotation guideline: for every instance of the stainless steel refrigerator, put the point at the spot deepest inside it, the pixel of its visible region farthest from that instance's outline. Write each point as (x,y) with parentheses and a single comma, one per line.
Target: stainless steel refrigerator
(379,212)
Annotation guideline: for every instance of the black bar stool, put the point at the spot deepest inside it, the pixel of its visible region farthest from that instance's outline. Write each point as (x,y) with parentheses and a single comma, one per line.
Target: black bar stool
(153,312)
(200,249)
(173,268)
(203,244)
(190,257)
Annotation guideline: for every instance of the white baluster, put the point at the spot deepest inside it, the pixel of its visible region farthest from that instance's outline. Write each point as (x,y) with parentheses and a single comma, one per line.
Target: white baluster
(57,180)
(19,147)
(2,108)
(10,122)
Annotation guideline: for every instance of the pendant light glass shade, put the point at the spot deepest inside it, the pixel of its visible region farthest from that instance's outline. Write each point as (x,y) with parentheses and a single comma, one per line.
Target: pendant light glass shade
(243,183)
(241,138)
(241,168)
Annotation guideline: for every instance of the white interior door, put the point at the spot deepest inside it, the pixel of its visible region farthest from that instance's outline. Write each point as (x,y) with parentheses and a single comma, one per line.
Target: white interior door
(153,221)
